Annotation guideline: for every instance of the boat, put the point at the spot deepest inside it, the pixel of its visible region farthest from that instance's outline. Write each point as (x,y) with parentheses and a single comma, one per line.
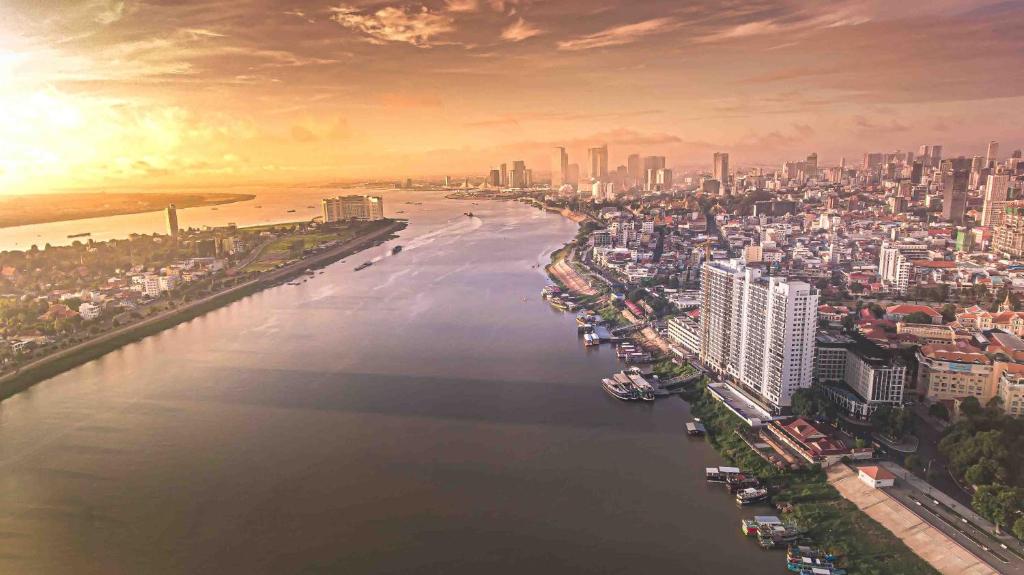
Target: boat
(795,552)
(291,211)
(741,481)
(396,249)
(823,571)
(469,214)
(81,235)
(363,266)
(720,474)
(751,526)
(618,390)
(800,563)
(749,495)
(695,428)
(310,273)
(773,536)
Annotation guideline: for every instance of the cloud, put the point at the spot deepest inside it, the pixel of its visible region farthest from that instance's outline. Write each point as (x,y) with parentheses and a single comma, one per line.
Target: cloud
(462,5)
(303,134)
(619,35)
(416,26)
(112,12)
(520,30)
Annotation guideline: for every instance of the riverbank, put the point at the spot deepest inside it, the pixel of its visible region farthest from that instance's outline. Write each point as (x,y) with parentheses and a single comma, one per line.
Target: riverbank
(63,360)
(832,522)
(16,211)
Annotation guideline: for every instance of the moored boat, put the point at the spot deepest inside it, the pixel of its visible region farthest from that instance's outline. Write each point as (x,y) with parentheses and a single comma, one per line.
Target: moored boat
(363,266)
(749,495)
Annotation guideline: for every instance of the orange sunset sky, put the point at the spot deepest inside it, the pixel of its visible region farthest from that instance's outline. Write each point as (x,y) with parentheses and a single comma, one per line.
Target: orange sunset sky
(157,93)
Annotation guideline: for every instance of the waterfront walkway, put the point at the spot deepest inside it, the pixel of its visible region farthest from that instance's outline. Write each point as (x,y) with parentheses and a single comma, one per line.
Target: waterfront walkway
(940,550)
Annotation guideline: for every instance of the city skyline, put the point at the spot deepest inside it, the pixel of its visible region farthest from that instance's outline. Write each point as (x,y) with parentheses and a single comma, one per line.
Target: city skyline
(130,94)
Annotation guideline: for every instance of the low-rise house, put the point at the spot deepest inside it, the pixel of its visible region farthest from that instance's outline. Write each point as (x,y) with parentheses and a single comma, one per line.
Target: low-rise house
(876,477)
(813,443)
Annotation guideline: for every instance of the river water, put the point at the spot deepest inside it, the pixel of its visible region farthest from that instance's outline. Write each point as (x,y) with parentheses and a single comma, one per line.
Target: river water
(429,414)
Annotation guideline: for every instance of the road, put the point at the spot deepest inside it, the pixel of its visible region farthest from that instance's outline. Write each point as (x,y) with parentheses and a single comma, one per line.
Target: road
(918,497)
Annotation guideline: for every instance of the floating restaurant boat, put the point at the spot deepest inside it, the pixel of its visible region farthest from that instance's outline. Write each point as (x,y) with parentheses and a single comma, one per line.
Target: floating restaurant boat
(590,339)
(618,390)
(751,526)
(629,386)
(720,474)
(749,495)
(773,536)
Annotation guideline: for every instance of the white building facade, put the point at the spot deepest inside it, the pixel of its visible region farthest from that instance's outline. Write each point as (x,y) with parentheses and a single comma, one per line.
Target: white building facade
(758,330)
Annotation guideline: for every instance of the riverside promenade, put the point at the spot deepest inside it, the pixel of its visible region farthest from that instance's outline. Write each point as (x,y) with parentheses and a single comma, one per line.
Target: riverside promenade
(941,551)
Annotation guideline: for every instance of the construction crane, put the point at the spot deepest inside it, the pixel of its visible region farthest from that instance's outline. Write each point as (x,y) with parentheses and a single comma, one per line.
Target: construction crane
(707,249)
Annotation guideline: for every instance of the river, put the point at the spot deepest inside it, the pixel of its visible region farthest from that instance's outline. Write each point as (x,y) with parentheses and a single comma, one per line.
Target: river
(429,414)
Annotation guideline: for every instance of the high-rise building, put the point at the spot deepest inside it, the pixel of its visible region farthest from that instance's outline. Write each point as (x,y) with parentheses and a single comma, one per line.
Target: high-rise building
(344,208)
(721,171)
(758,330)
(992,153)
(811,165)
(996,188)
(573,175)
(936,155)
(651,166)
(504,175)
(172,221)
(916,173)
(1008,238)
(494,178)
(858,375)
(634,170)
(896,263)
(597,163)
(954,195)
(559,167)
(518,176)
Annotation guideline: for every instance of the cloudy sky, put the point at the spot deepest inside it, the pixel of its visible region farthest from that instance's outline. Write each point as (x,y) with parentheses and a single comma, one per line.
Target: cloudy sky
(166,92)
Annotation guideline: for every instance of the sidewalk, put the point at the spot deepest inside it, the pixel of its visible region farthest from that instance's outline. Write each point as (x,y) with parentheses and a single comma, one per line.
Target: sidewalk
(962,510)
(942,552)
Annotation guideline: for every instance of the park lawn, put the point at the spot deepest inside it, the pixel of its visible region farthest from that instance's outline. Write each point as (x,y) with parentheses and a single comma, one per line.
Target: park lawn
(282,249)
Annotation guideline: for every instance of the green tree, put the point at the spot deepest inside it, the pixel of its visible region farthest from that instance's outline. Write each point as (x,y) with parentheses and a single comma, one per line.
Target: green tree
(948,313)
(1018,528)
(877,310)
(998,503)
(856,288)
(917,317)
(983,472)
(970,406)
(913,463)
(939,411)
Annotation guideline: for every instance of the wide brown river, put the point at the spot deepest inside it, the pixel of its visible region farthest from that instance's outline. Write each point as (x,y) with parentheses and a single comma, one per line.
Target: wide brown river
(430,414)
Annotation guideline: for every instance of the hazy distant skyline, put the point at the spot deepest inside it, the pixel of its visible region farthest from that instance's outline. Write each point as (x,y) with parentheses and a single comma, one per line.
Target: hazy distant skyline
(121,93)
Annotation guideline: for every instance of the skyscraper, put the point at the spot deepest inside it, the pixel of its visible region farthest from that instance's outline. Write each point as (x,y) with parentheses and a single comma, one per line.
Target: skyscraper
(992,153)
(573,175)
(344,208)
(721,172)
(597,163)
(634,170)
(996,188)
(954,195)
(651,166)
(172,221)
(559,167)
(758,330)
(811,165)
(504,174)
